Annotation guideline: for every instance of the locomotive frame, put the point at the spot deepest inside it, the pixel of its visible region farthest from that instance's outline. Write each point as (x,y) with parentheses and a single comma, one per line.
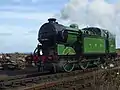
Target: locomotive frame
(74,48)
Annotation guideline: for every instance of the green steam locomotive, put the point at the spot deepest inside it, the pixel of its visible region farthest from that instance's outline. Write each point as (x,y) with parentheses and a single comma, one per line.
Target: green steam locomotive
(65,48)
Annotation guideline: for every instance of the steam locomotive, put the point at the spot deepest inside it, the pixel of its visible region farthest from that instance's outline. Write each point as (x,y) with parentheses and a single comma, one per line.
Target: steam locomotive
(65,48)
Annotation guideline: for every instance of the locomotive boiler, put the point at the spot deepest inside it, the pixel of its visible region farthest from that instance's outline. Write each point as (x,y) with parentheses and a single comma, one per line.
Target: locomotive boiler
(65,48)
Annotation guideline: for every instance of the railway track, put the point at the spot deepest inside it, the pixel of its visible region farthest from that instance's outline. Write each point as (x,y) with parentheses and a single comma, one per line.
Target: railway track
(38,81)
(78,81)
(28,80)
(14,80)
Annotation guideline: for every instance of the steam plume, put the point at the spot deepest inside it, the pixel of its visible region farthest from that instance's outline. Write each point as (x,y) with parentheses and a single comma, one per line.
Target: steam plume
(94,13)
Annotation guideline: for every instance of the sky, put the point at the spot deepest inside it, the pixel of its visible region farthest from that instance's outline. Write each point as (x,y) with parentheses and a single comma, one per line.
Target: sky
(20,20)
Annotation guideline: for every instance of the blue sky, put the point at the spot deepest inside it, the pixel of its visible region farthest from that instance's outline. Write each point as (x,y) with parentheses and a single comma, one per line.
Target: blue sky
(21,19)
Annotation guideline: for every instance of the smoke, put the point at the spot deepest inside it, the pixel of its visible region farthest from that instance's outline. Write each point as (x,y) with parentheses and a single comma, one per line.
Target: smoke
(98,13)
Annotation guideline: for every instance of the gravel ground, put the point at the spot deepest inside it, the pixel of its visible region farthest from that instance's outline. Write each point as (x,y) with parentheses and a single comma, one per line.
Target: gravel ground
(17,72)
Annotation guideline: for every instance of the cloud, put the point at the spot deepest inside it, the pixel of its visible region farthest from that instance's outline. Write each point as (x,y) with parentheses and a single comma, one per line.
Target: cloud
(18,43)
(13,29)
(34,1)
(5,34)
(18,8)
(16,0)
(17,40)
(24,15)
(93,13)
(32,32)
(14,38)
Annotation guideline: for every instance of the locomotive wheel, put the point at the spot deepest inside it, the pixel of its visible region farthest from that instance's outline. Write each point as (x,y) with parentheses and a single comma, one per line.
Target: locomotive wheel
(68,67)
(84,65)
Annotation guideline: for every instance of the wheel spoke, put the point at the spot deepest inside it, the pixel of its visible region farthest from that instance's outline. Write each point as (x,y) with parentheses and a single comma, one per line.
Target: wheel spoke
(68,67)
(84,65)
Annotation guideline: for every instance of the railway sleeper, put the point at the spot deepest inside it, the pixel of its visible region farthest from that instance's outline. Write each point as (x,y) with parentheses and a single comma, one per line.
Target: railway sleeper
(44,78)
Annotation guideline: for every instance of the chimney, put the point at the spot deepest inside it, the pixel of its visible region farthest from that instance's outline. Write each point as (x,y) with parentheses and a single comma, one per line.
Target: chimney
(51,20)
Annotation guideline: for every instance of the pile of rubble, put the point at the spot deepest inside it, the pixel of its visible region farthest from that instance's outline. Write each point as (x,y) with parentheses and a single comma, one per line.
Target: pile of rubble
(12,61)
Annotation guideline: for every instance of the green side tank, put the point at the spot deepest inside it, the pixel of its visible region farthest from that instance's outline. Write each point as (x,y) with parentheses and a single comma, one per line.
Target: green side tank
(93,41)
(94,45)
